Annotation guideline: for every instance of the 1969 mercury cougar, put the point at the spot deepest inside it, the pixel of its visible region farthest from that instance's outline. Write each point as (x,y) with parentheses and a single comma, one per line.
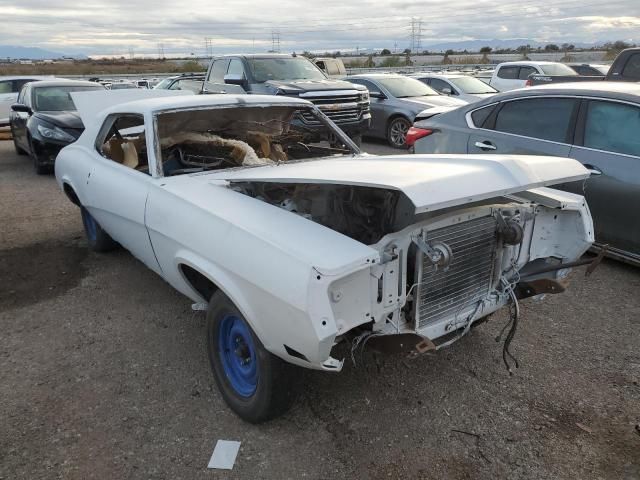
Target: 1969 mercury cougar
(293,243)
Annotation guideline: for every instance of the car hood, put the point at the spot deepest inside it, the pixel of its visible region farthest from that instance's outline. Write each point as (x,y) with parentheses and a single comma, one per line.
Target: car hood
(301,86)
(435,101)
(431,182)
(64,119)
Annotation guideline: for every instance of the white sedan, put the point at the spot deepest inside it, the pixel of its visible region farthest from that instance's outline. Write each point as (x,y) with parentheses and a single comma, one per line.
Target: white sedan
(294,242)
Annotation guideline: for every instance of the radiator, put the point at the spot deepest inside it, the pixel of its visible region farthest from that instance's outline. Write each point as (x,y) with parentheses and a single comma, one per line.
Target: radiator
(444,293)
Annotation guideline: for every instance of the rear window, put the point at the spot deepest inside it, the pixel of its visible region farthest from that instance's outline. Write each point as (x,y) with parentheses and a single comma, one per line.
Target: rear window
(613,127)
(509,73)
(543,118)
(480,116)
(558,69)
(632,67)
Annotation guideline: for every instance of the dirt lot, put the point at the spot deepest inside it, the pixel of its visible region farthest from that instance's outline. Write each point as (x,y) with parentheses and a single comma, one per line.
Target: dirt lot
(104,374)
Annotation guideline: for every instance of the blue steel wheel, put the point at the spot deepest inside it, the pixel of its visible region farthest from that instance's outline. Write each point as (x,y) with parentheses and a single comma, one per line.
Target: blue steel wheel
(254,383)
(238,355)
(90,226)
(97,238)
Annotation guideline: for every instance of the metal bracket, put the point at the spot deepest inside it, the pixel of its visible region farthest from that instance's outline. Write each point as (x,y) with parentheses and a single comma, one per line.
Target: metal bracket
(438,253)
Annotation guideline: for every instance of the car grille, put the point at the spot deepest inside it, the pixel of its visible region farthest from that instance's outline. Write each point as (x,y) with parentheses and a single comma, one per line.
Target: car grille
(338,116)
(443,292)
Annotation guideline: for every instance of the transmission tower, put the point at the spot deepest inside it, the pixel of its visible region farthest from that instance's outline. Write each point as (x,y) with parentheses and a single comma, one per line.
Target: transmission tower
(275,41)
(416,34)
(207,47)
(161,50)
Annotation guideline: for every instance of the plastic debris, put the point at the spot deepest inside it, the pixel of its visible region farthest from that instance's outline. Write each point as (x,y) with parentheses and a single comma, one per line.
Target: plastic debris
(224,455)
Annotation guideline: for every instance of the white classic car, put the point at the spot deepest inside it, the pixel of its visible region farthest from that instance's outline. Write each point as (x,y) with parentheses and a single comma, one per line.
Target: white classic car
(293,242)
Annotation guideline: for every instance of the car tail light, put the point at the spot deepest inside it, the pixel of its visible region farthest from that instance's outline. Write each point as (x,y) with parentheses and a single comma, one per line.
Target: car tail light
(415,134)
(528,83)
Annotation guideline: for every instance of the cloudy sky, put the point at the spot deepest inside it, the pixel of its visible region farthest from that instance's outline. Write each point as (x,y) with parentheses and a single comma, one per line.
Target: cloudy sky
(142,26)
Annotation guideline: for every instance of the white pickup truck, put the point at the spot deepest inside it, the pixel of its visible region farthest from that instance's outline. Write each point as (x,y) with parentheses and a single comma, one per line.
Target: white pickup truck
(293,247)
(512,75)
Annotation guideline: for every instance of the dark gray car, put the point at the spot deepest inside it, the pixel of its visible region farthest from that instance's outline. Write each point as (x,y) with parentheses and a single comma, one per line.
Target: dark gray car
(597,123)
(395,102)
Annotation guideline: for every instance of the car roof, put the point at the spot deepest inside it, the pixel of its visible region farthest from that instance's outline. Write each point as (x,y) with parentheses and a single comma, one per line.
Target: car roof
(26,77)
(444,75)
(66,83)
(376,75)
(527,62)
(258,55)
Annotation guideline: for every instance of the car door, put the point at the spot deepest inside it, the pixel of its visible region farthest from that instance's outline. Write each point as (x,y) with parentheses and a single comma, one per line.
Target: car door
(378,102)
(608,143)
(19,120)
(532,126)
(8,96)
(119,181)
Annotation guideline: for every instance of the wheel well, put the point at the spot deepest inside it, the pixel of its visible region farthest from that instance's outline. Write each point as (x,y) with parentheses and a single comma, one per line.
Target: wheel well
(199,282)
(394,116)
(71,195)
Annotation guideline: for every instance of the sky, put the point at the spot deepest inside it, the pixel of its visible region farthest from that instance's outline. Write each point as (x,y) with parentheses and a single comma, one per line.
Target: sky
(95,27)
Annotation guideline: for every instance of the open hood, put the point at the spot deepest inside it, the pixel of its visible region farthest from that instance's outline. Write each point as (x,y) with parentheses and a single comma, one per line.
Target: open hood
(431,182)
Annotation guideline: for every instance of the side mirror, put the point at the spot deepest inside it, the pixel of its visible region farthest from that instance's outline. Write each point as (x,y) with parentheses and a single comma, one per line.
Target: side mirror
(446,91)
(19,107)
(378,95)
(234,79)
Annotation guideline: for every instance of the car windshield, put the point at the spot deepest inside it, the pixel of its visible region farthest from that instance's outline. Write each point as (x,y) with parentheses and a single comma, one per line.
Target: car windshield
(58,99)
(403,87)
(472,85)
(164,83)
(294,68)
(558,69)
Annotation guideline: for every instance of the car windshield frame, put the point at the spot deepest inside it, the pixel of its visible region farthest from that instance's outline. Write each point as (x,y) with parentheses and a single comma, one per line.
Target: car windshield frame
(286,68)
(557,69)
(412,87)
(467,84)
(68,89)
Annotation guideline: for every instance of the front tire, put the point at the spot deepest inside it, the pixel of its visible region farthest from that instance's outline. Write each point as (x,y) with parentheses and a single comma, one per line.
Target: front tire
(397,132)
(19,151)
(255,384)
(97,238)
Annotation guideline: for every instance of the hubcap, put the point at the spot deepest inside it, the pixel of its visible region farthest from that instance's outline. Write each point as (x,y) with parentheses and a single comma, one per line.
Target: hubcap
(399,129)
(238,355)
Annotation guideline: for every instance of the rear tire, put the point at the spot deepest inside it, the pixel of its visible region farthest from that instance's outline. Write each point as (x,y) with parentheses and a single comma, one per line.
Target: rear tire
(255,384)
(97,238)
(397,132)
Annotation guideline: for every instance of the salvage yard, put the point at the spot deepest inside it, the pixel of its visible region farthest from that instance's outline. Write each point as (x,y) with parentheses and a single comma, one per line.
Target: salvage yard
(104,374)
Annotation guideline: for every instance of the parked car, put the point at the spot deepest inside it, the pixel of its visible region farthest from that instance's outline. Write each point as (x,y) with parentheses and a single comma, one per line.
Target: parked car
(9,89)
(395,102)
(512,75)
(332,67)
(293,246)
(186,81)
(596,123)
(625,68)
(464,87)
(295,76)
(44,119)
(122,85)
(483,75)
(589,69)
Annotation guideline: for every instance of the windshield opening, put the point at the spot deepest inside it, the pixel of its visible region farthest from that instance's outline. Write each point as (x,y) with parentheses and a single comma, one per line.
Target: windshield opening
(403,87)
(558,69)
(214,139)
(298,68)
(472,85)
(57,99)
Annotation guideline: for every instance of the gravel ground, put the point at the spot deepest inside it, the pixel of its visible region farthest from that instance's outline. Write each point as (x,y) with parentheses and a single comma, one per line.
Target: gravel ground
(104,374)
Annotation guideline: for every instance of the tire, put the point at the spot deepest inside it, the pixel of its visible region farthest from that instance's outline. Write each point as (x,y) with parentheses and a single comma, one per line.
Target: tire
(397,132)
(255,384)
(18,150)
(357,139)
(37,165)
(97,238)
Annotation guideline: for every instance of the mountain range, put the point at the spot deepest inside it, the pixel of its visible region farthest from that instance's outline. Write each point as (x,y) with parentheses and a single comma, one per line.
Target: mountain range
(32,53)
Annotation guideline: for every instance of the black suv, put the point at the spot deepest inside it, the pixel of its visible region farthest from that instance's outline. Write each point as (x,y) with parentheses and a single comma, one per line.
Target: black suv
(293,76)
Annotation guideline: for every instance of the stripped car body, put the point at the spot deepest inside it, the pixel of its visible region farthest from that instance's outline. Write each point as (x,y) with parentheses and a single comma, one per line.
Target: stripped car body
(312,249)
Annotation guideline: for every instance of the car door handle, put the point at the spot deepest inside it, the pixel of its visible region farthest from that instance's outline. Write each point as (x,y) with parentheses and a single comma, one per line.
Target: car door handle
(486,145)
(593,170)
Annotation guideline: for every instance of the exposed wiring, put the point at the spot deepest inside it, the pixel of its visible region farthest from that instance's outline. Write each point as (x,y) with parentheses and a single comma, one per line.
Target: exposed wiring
(514,316)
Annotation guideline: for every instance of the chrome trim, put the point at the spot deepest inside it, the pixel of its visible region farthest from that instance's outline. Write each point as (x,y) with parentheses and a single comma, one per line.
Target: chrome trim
(330,93)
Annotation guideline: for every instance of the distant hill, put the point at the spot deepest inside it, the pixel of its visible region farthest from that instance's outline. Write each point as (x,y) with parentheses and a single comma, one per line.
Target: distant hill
(32,53)
(476,45)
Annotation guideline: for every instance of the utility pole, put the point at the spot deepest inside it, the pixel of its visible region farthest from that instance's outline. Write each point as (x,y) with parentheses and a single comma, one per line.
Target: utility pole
(275,41)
